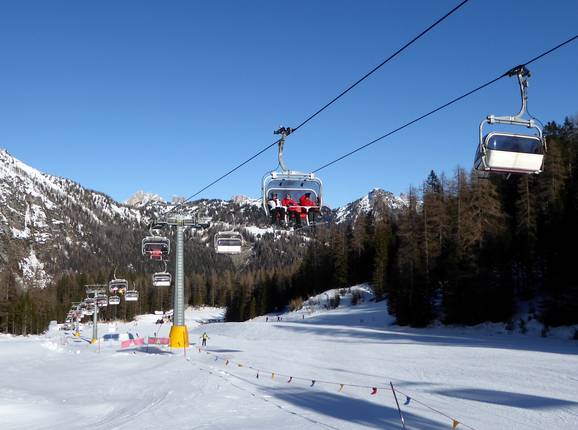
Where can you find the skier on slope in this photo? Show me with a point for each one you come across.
(204, 337)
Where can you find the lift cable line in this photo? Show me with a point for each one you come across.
(510, 72)
(376, 68)
(310, 117)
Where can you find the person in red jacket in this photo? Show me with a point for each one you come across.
(309, 207)
(292, 209)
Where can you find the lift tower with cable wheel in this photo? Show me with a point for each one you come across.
(96, 290)
(179, 335)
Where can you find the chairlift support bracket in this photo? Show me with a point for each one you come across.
(523, 74)
(284, 132)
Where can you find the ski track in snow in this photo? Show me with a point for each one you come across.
(483, 377)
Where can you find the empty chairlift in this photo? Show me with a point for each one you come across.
(162, 279)
(114, 300)
(228, 242)
(508, 152)
(131, 295)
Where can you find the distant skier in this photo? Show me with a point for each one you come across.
(205, 337)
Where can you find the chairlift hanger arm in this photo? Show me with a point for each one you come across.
(523, 73)
(284, 132)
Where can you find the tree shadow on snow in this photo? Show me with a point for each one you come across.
(507, 398)
(396, 336)
(365, 316)
(353, 410)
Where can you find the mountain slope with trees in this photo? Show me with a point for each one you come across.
(462, 249)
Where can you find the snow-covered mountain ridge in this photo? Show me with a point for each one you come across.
(377, 201)
(51, 224)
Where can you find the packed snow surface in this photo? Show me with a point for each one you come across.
(483, 377)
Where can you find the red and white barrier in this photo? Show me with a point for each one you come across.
(139, 341)
(158, 341)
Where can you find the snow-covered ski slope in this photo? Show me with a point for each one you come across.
(483, 378)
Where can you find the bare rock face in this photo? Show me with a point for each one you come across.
(142, 198)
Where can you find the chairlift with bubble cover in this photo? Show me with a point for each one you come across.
(113, 300)
(117, 285)
(155, 246)
(505, 152)
(101, 300)
(228, 242)
(131, 295)
(295, 183)
(162, 279)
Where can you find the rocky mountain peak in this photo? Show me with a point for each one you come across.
(142, 198)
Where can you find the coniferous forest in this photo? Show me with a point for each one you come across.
(465, 249)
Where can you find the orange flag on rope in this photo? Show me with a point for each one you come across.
(455, 424)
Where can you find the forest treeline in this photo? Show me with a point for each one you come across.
(465, 249)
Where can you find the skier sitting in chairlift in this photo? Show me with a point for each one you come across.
(292, 209)
(309, 207)
(276, 209)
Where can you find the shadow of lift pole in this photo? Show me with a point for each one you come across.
(179, 335)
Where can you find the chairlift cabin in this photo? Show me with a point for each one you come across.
(114, 300)
(131, 296)
(508, 152)
(228, 242)
(102, 300)
(162, 279)
(156, 247)
(290, 182)
(117, 285)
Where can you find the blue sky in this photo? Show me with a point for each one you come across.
(166, 96)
